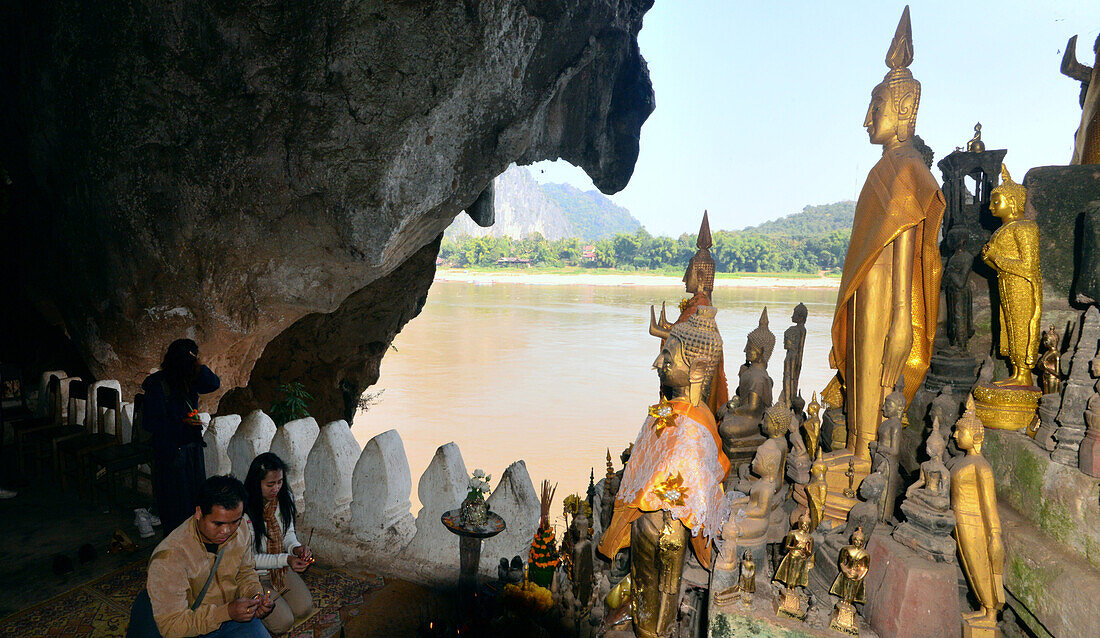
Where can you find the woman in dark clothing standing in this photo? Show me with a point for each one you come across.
(171, 416)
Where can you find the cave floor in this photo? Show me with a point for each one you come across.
(43, 522)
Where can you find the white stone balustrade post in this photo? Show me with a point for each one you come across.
(252, 438)
(515, 500)
(91, 414)
(441, 488)
(126, 422)
(328, 475)
(292, 444)
(217, 438)
(381, 486)
(42, 407)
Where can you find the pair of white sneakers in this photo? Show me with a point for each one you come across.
(145, 522)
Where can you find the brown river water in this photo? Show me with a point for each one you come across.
(555, 374)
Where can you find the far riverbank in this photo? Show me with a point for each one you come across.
(606, 277)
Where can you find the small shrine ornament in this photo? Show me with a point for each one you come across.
(663, 416)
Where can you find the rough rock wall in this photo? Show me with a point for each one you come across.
(221, 170)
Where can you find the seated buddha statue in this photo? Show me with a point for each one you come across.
(671, 495)
(740, 428)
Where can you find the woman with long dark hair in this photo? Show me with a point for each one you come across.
(170, 414)
(270, 509)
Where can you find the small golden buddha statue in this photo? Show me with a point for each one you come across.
(699, 281)
(812, 427)
(1050, 363)
(746, 580)
(816, 492)
(794, 570)
(977, 524)
(671, 496)
(853, 564)
(1013, 251)
(888, 304)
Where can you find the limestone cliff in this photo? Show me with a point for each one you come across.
(228, 171)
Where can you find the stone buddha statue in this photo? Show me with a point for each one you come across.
(1086, 148)
(699, 281)
(750, 516)
(740, 428)
(888, 303)
(977, 524)
(1013, 251)
(671, 496)
(794, 342)
(927, 505)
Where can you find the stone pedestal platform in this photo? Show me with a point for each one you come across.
(909, 596)
(1048, 411)
(956, 369)
(1088, 459)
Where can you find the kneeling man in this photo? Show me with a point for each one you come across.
(202, 579)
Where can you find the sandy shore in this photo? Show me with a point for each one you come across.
(634, 279)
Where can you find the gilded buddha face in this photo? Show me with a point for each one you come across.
(691, 278)
(671, 364)
(885, 125)
(1002, 206)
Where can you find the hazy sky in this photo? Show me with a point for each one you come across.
(760, 105)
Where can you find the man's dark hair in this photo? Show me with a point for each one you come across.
(225, 491)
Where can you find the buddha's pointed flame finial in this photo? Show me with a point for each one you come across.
(704, 241)
(900, 55)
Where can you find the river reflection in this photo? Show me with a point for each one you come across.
(555, 374)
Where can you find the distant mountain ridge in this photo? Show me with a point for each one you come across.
(557, 211)
(813, 220)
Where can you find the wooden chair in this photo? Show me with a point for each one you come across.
(73, 453)
(73, 425)
(31, 433)
(117, 459)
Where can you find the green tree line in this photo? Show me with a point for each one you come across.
(733, 251)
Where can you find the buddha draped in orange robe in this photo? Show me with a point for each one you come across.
(689, 448)
(719, 389)
(900, 193)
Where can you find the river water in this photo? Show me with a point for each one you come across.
(555, 374)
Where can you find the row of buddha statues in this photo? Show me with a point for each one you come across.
(746, 483)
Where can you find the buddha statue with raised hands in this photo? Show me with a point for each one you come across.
(670, 496)
(1013, 251)
(888, 303)
(699, 281)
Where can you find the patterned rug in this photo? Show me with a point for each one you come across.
(101, 608)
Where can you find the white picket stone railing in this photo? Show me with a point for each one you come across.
(217, 438)
(252, 438)
(292, 444)
(381, 486)
(328, 475)
(92, 413)
(517, 503)
(441, 488)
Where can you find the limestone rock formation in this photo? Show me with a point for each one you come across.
(226, 171)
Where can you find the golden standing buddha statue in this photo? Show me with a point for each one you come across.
(699, 281)
(671, 495)
(793, 571)
(853, 564)
(977, 525)
(1013, 251)
(888, 303)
